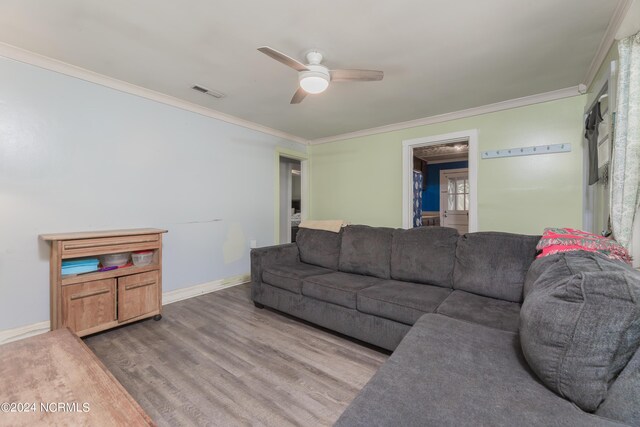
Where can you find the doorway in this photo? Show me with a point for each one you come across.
(440, 181)
(291, 196)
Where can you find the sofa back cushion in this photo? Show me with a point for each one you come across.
(366, 250)
(580, 325)
(494, 264)
(319, 247)
(424, 255)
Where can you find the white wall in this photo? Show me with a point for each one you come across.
(78, 156)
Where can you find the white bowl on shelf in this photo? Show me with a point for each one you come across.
(115, 260)
(141, 258)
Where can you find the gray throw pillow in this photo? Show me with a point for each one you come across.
(580, 325)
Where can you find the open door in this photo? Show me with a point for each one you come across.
(454, 199)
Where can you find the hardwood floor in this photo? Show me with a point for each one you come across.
(217, 360)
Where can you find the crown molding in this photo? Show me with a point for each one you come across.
(470, 112)
(32, 58)
(607, 41)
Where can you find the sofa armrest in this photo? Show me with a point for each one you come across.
(279, 254)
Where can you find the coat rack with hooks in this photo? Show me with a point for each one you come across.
(526, 151)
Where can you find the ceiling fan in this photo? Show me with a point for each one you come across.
(315, 77)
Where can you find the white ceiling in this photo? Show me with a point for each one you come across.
(437, 56)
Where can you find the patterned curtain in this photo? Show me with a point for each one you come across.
(625, 174)
(417, 199)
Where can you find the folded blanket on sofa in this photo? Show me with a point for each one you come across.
(556, 240)
(333, 225)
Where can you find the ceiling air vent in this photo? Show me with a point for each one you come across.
(209, 92)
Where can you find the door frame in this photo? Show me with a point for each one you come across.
(471, 137)
(304, 187)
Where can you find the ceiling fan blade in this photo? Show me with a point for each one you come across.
(298, 96)
(356, 75)
(281, 57)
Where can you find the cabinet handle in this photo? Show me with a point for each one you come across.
(90, 294)
(139, 285)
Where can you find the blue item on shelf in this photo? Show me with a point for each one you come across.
(78, 266)
(78, 270)
(80, 261)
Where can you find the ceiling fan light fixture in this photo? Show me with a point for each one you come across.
(314, 84)
(316, 80)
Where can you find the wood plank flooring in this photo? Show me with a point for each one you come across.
(216, 360)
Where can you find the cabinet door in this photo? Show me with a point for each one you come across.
(137, 295)
(89, 305)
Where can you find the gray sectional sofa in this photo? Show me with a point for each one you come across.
(481, 333)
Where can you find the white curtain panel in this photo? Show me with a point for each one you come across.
(625, 174)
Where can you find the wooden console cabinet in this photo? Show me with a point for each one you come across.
(92, 302)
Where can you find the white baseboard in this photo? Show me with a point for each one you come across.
(15, 334)
(204, 288)
(21, 332)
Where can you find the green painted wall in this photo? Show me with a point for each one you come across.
(360, 179)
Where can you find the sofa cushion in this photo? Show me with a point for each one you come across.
(546, 271)
(337, 288)
(580, 330)
(403, 302)
(485, 311)
(538, 268)
(623, 399)
(289, 276)
(319, 247)
(366, 250)
(447, 372)
(424, 255)
(493, 264)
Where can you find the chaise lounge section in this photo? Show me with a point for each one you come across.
(448, 372)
